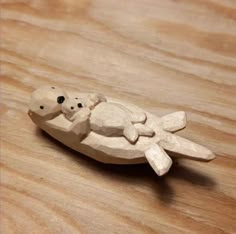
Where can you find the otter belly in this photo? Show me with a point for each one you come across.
(109, 119)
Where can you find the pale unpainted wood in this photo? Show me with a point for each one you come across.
(107, 131)
(164, 56)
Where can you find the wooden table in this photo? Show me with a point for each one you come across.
(161, 55)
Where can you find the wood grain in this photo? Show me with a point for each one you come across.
(161, 55)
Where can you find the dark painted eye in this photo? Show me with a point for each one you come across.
(60, 99)
(72, 108)
(53, 87)
(41, 107)
(76, 98)
(80, 105)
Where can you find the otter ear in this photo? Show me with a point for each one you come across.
(94, 99)
(33, 106)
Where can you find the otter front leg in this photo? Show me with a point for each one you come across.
(81, 124)
(131, 133)
(144, 130)
(138, 117)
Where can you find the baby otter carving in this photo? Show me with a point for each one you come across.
(98, 112)
(75, 107)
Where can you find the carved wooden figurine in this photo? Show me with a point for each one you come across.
(112, 131)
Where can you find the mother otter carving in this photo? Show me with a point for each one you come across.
(112, 131)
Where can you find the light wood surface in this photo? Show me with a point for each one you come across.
(164, 56)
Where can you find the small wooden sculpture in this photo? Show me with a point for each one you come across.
(112, 131)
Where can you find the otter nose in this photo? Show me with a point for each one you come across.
(60, 99)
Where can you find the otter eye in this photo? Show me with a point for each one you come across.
(60, 99)
(80, 105)
(41, 107)
(72, 108)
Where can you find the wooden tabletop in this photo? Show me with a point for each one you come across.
(161, 55)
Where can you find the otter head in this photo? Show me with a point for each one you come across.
(72, 106)
(46, 102)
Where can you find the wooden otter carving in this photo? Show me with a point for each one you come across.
(112, 131)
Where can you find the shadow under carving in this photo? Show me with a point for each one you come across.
(138, 174)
